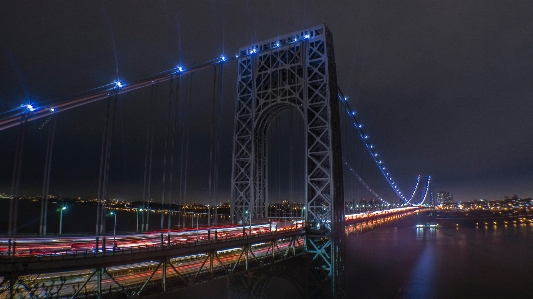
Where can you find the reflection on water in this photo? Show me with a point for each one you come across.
(425, 233)
(457, 260)
(422, 276)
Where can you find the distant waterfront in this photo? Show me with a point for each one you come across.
(81, 219)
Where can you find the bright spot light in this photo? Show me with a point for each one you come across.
(366, 136)
(360, 126)
(179, 68)
(306, 36)
(52, 109)
(118, 84)
(223, 58)
(30, 107)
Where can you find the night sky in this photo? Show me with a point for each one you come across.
(443, 88)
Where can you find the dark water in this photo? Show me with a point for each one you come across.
(401, 261)
(394, 261)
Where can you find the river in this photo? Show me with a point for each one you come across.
(457, 260)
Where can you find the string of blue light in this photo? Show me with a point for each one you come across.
(364, 137)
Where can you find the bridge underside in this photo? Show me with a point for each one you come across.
(293, 71)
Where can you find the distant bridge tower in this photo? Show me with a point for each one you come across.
(296, 70)
(425, 192)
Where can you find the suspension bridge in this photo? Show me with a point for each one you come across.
(294, 136)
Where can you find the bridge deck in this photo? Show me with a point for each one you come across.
(84, 260)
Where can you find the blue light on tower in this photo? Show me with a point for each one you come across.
(179, 69)
(223, 58)
(30, 107)
(118, 84)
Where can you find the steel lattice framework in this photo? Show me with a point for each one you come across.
(293, 71)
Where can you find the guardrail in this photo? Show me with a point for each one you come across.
(74, 254)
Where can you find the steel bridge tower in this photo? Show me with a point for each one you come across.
(297, 71)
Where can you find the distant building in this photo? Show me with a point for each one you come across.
(444, 197)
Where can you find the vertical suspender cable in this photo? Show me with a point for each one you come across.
(210, 185)
(213, 167)
(101, 173)
(188, 99)
(182, 145)
(46, 177)
(147, 154)
(291, 168)
(165, 154)
(149, 157)
(15, 183)
(174, 125)
(217, 137)
(108, 155)
(278, 142)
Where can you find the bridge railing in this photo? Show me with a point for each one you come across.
(92, 253)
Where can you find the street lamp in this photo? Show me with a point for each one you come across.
(61, 218)
(138, 210)
(197, 216)
(250, 219)
(114, 230)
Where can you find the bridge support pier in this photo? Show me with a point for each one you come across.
(99, 283)
(164, 279)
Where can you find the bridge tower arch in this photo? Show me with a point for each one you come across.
(294, 70)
